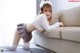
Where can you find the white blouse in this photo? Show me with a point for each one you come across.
(41, 23)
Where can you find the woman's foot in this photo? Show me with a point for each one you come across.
(11, 48)
(26, 46)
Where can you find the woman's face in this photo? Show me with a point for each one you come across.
(47, 12)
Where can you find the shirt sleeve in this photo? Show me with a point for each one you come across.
(45, 23)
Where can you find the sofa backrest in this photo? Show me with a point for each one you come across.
(54, 18)
(70, 17)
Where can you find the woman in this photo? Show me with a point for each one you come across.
(41, 23)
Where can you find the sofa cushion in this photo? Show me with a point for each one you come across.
(54, 33)
(71, 33)
(70, 17)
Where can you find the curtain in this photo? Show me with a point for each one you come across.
(13, 12)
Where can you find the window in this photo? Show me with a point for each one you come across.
(13, 12)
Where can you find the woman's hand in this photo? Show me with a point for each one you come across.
(61, 24)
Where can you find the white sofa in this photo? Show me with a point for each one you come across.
(63, 39)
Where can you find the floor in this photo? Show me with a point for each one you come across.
(33, 49)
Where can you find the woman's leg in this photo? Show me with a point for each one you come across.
(24, 34)
(27, 41)
(26, 45)
(15, 41)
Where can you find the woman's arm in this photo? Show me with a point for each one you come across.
(45, 23)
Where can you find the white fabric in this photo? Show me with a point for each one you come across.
(26, 45)
(41, 23)
(44, 2)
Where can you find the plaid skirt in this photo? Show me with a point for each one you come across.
(23, 32)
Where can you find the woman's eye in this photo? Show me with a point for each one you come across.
(45, 10)
(49, 10)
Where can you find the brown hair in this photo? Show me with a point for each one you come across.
(47, 6)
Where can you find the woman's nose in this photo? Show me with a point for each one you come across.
(48, 13)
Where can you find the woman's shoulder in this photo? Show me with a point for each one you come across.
(41, 16)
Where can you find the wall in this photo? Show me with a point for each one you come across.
(63, 5)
